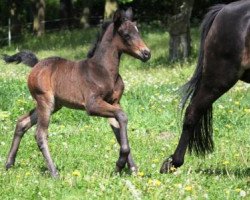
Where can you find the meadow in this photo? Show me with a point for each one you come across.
(84, 148)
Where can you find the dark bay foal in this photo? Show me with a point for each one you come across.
(224, 59)
(93, 84)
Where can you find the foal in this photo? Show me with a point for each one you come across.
(93, 84)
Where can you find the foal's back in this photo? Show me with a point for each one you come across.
(67, 82)
(58, 78)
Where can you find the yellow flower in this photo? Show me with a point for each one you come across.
(113, 141)
(236, 155)
(76, 173)
(172, 169)
(237, 189)
(155, 160)
(228, 126)
(188, 188)
(157, 183)
(141, 174)
(27, 173)
(247, 110)
(237, 103)
(225, 162)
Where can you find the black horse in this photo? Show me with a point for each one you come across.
(224, 59)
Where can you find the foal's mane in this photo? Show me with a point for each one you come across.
(99, 37)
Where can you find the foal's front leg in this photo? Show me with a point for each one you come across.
(99, 107)
(116, 129)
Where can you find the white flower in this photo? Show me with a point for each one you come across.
(243, 193)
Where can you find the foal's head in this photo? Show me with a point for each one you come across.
(128, 37)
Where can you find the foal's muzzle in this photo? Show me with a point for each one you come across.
(145, 55)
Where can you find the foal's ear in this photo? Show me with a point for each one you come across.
(129, 14)
(118, 18)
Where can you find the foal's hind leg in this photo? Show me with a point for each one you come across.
(209, 91)
(23, 124)
(116, 129)
(45, 107)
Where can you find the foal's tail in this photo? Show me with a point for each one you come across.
(26, 57)
(201, 140)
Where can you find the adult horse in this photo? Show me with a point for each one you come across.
(224, 59)
(93, 84)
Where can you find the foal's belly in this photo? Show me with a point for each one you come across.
(70, 99)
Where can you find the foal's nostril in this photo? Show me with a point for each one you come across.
(146, 54)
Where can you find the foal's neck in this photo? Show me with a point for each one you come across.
(107, 54)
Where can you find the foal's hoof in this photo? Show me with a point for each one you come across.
(54, 175)
(8, 165)
(134, 169)
(167, 166)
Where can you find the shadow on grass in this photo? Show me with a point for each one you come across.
(237, 172)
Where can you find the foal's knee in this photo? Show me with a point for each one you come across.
(91, 108)
(122, 117)
(20, 127)
(39, 141)
(125, 150)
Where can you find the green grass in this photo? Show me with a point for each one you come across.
(84, 148)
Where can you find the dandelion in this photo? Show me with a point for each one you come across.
(247, 110)
(76, 173)
(172, 169)
(237, 103)
(112, 141)
(188, 188)
(141, 174)
(228, 126)
(155, 160)
(157, 182)
(225, 162)
(27, 174)
(236, 155)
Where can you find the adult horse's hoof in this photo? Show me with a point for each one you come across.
(118, 169)
(167, 166)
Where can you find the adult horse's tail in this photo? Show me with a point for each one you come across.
(201, 140)
(26, 57)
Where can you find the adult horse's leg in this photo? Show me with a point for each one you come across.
(45, 107)
(210, 89)
(116, 129)
(98, 107)
(23, 124)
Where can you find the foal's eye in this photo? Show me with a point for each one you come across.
(126, 36)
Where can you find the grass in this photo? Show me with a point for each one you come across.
(84, 148)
